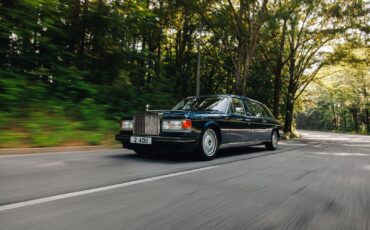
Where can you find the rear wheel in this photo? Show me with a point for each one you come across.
(209, 144)
(273, 143)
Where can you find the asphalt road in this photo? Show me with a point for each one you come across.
(319, 182)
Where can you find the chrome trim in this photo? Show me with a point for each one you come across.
(147, 123)
(160, 139)
(240, 144)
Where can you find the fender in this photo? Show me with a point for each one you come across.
(209, 123)
(218, 129)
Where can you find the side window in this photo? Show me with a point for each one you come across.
(263, 111)
(254, 109)
(237, 106)
(246, 106)
(267, 112)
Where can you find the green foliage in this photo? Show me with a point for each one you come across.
(43, 129)
(70, 69)
(10, 138)
(340, 101)
(94, 138)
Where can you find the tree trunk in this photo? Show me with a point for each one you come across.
(277, 92)
(84, 26)
(367, 120)
(98, 30)
(157, 65)
(345, 121)
(335, 120)
(290, 99)
(238, 70)
(246, 71)
(75, 21)
(289, 116)
(183, 39)
(354, 112)
(248, 21)
(4, 48)
(278, 73)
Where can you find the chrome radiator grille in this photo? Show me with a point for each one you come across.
(146, 123)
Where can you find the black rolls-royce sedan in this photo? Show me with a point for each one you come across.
(202, 125)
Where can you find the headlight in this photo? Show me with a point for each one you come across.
(126, 125)
(176, 125)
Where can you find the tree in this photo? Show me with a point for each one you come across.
(312, 25)
(340, 93)
(244, 20)
(273, 49)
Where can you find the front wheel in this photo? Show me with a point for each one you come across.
(209, 144)
(273, 143)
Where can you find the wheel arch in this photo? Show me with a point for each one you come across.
(216, 127)
(276, 129)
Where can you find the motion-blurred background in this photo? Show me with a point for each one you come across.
(69, 69)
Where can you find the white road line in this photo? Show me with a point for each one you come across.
(100, 189)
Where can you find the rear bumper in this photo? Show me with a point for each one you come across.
(161, 143)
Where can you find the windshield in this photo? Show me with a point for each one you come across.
(203, 103)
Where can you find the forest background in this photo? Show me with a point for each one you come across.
(69, 69)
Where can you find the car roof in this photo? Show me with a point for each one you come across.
(224, 95)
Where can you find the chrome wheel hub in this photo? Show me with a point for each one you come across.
(209, 142)
(274, 140)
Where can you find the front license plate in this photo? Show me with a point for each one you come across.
(141, 140)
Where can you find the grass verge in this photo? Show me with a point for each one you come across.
(51, 130)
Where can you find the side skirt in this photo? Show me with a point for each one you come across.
(241, 144)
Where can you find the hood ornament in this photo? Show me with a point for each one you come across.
(147, 107)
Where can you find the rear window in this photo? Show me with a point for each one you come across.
(267, 112)
(254, 109)
(258, 110)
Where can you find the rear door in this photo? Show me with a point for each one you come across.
(258, 128)
(268, 121)
(238, 116)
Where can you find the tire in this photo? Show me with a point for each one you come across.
(273, 143)
(209, 144)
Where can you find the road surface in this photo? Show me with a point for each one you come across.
(319, 182)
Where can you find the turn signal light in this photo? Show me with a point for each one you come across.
(186, 124)
(176, 125)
